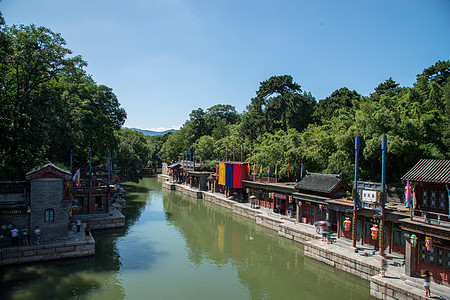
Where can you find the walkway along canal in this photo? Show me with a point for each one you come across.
(174, 246)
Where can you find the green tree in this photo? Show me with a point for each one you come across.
(342, 99)
(132, 152)
(279, 104)
(48, 104)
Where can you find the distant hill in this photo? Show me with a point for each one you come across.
(152, 133)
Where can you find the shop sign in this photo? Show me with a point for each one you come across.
(369, 196)
(280, 196)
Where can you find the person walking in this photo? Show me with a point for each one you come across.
(78, 225)
(87, 232)
(24, 236)
(14, 236)
(37, 235)
(426, 284)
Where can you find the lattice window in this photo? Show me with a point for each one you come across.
(423, 253)
(442, 200)
(440, 257)
(447, 259)
(396, 237)
(402, 238)
(433, 198)
(322, 214)
(432, 255)
(368, 226)
(49, 215)
(424, 198)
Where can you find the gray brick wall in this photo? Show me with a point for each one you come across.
(48, 194)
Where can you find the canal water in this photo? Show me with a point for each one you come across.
(177, 247)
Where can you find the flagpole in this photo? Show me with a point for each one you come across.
(71, 158)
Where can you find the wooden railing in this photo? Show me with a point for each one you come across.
(253, 177)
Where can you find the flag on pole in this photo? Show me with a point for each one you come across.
(268, 170)
(408, 195)
(301, 172)
(254, 171)
(248, 168)
(276, 170)
(260, 170)
(288, 170)
(76, 177)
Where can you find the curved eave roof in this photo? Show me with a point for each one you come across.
(430, 170)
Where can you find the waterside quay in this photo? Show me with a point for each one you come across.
(339, 254)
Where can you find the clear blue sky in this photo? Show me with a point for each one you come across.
(164, 58)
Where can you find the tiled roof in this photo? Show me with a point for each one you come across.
(430, 170)
(319, 182)
(48, 168)
(174, 165)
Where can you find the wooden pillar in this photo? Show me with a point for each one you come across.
(410, 255)
(338, 224)
(286, 206)
(315, 212)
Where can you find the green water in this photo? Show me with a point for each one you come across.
(177, 247)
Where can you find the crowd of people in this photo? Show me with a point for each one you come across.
(21, 237)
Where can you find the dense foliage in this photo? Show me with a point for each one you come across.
(285, 127)
(49, 105)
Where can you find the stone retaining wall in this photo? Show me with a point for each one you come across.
(400, 291)
(295, 234)
(36, 253)
(219, 201)
(246, 212)
(341, 262)
(105, 223)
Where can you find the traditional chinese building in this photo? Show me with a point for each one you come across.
(313, 191)
(428, 227)
(92, 194)
(395, 210)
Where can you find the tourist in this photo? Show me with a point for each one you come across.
(324, 230)
(14, 236)
(252, 201)
(87, 232)
(328, 234)
(78, 225)
(426, 284)
(24, 236)
(317, 224)
(37, 235)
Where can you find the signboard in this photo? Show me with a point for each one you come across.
(369, 196)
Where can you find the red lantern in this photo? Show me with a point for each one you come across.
(347, 224)
(428, 243)
(320, 207)
(300, 203)
(273, 196)
(290, 199)
(374, 230)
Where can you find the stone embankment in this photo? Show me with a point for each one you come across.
(339, 254)
(114, 219)
(75, 245)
